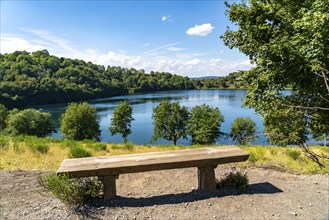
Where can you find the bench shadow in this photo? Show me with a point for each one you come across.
(90, 208)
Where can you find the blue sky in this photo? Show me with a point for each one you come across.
(181, 37)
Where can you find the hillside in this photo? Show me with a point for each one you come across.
(41, 78)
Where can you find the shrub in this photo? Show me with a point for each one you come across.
(4, 143)
(243, 130)
(253, 157)
(17, 148)
(116, 147)
(80, 121)
(97, 146)
(39, 148)
(78, 152)
(236, 180)
(72, 191)
(3, 116)
(129, 146)
(29, 122)
(294, 154)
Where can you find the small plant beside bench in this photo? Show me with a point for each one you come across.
(110, 167)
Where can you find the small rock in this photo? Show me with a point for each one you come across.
(300, 207)
(25, 213)
(192, 188)
(293, 213)
(311, 204)
(316, 183)
(209, 204)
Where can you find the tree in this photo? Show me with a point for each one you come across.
(3, 116)
(243, 130)
(204, 124)
(170, 121)
(80, 121)
(29, 122)
(288, 43)
(121, 120)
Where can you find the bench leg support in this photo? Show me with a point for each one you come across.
(109, 187)
(206, 179)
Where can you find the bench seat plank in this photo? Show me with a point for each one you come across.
(132, 163)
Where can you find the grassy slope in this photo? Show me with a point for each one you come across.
(20, 153)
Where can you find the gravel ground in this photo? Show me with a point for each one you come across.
(172, 194)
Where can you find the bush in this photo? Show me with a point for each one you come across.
(80, 121)
(4, 143)
(294, 154)
(17, 148)
(129, 146)
(253, 157)
(97, 146)
(116, 147)
(72, 191)
(78, 152)
(3, 117)
(29, 122)
(39, 148)
(236, 180)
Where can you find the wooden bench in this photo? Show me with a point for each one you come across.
(110, 167)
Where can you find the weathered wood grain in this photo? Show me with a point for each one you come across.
(132, 163)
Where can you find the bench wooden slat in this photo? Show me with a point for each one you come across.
(132, 163)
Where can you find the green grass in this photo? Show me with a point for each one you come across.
(72, 190)
(79, 152)
(32, 153)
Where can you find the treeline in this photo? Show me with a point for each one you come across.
(171, 122)
(41, 78)
(232, 80)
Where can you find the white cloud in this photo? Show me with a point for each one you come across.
(10, 44)
(186, 64)
(48, 36)
(167, 18)
(200, 30)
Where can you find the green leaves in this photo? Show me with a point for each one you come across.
(170, 121)
(29, 122)
(121, 120)
(80, 121)
(288, 42)
(204, 124)
(243, 130)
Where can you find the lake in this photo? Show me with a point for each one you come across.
(229, 103)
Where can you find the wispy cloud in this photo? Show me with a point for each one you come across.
(200, 30)
(166, 18)
(161, 47)
(175, 49)
(48, 36)
(146, 44)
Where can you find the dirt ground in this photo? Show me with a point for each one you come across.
(172, 194)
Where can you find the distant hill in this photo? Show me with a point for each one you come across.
(203, 77)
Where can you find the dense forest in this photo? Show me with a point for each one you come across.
(41, 78)
(232, 80)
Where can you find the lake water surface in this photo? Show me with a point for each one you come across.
(229, 103)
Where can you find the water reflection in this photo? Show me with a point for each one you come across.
(228, 101)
